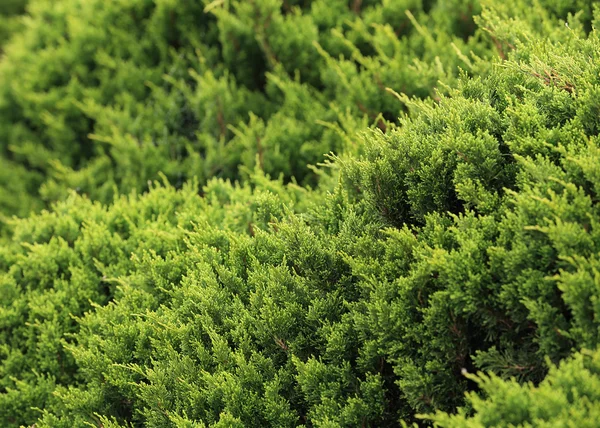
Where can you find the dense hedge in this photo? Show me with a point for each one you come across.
(568, 396)
(99, 98)
(10, 14)
(437, 269)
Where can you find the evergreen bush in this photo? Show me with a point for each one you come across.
(568, 396)
(100, 98)
(441, 268)
(10, 11)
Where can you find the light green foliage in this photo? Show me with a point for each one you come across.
(461, 238)
(68, 261)
(498, 184)
(101, 99)
(10, 11)
(568, 396)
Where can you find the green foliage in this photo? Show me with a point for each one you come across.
(101, 99)
(493, 192)
(66, 262)
(9, 18)
(463, 237)
(567, 397)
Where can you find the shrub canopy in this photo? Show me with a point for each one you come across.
(100, 97)
(202, 263)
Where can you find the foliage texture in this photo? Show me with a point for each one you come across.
(300, 213)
